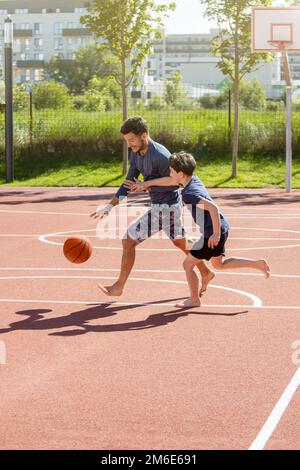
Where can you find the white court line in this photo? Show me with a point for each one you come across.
(257, 302)
(276, 414)
(98, 237)
(159, 271)
(43, 238)
(287, 217)
(146, 304)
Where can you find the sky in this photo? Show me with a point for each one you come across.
(187, 18)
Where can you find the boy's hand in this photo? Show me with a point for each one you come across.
(213, 240)
(135, 186)
(102, 212)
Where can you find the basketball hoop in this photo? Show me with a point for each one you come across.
(278, 30)
(280, 45)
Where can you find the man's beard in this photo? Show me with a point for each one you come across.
(143, 146)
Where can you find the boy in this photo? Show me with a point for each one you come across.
(215, 227)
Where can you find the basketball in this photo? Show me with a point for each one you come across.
(77, 249)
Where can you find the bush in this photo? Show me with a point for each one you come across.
(156, 103)
(20, 98)
(252, 95)
(90, 102)
(275, 106)
(51, 95)
(208, 101)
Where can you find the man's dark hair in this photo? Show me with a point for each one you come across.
(137, 125)
(184, 162)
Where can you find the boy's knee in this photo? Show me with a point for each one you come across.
(186, 264)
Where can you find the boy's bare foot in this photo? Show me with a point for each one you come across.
(205, 281)
(189, 303)
(112, 291)
(263, 266)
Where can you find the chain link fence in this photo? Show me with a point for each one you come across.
(198, 119)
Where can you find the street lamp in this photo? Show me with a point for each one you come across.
(8, 71)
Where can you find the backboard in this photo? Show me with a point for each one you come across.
(275, 29)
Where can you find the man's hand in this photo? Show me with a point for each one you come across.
(135, 186)
(213, 240)
(102, 212)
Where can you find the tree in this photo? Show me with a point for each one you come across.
(89, 61)
(233, 46)
(128, 29)
(20, 97)
(51, 95)
(253, 95)
(102, 94)
(175, 95)
(108, 88)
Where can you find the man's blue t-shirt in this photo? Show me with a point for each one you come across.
(154, 164)
(194, 192)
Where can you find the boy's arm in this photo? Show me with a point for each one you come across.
(103, 211)
(213, 210)
(138, 186)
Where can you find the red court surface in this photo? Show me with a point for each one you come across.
(78, 372)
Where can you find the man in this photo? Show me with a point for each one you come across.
(150, 159)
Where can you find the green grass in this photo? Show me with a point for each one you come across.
(253, 172)
(75, 148)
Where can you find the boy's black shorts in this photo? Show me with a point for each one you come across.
(207, 253)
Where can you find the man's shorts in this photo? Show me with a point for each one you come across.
(200, 249)
(159, 217)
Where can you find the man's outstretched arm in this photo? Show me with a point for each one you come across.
(132, 175)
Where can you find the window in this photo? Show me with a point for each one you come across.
(24, 56)
(21, 11)
(27, 75)
(38, 28)
(21, 26)
(73, 42)
(38, 43)
(74, 25)
(38, 75)
(58, 44)
(58, 27)
(26, 44)
(3, 12)
(71, 56)
(38, 56)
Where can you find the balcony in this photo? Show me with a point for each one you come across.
(76, 32)
(30, 64)
(23, 33)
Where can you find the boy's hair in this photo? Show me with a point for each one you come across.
(184, 162)
(137, 125)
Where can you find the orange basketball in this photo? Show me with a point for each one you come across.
(77, 249)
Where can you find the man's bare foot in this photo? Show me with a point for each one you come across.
(205, 281)
(111, 291)
(263, 266)
(189, 303)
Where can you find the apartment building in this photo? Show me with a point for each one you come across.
(190, 55)
(42, 29)
(51, 28)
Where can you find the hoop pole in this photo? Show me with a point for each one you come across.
(289, 121)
